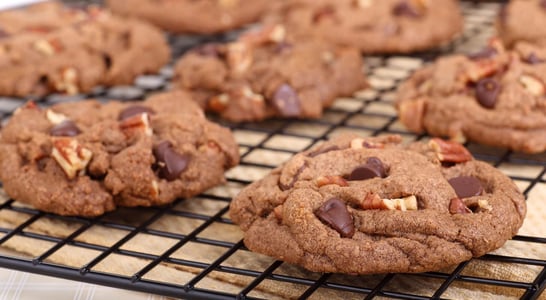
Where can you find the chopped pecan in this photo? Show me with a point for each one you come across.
(326, 180)
(68, 82)
(48, 47)
(136, 124)
(532, 84)
(55, 118)
(457, 206)
(373, 201)
(411, 114)
(218, 103)
(479, 69)
(154, 190)
(239, 57)
(71, 156)
(277, 211)
(449, 151)
(267, 34)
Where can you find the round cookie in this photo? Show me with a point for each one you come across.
(87, 158)
(373, 26)
(373, 205)
(522, 20)
(494, 97)
(264, 74)
(192, 16)
(50, 48)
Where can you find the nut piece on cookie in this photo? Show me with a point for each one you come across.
(436, 215)
(449, 151)
(373, 201)
(71, 156)
(137, 124)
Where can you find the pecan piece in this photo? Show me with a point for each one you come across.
(532, 84)
(479, 69)
(457, 206)
(373, 201)
(72, 157)
(68, 82)
(55, 118)
(136, 124)
(449, 151)
(239, 57)
(326, 180)
(411, 114)
(267, 34)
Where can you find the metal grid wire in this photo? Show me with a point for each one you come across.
(263, 146)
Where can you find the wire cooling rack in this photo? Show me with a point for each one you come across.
(190, 249)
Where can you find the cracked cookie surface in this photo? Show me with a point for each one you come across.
(191, 16)
(373, 26)
(86, 158)
(373, 205)
(49, 48)
(494, 97)
(264, 74)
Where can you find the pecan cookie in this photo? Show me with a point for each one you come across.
(191, 16)
(522, 20)
(264, 74)
(374, 26)
(493, 97)
(49, 48)
(372, 205)
(86, 158)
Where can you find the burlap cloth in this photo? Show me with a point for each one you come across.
(116, 263)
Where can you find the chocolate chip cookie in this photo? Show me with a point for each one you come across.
(191, 16)
(494, 97)
(373, 205)
(87, 158)
(522, 20)
(373, 26)
(49, 48)
(264, 74)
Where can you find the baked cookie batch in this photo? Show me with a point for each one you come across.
(353, 204)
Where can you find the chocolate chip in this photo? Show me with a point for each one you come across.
(322, 151)
(487, 90)
(170, 164)
(466, 186)
(543, 4)
(134, 110)
(457, 206)
(283, 46)
(487, 52)
(532, 59)
(286, 101)
(334, 213)
(372, 168)
(404, 8)
(65, 128)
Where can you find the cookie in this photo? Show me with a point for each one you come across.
(373, 26)
(373, 205)
(522, 20)
(190, 16)
(264, 74)
(87, 158)
(49, 48)
(494, 97)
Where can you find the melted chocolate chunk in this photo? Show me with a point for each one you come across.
(65, 128)
(134, 110)
(543, 4)
(286, 101)
(372, 168)
(466, 186)
(405, 8)
(487, 90)
(334, 213)
(170, 164)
